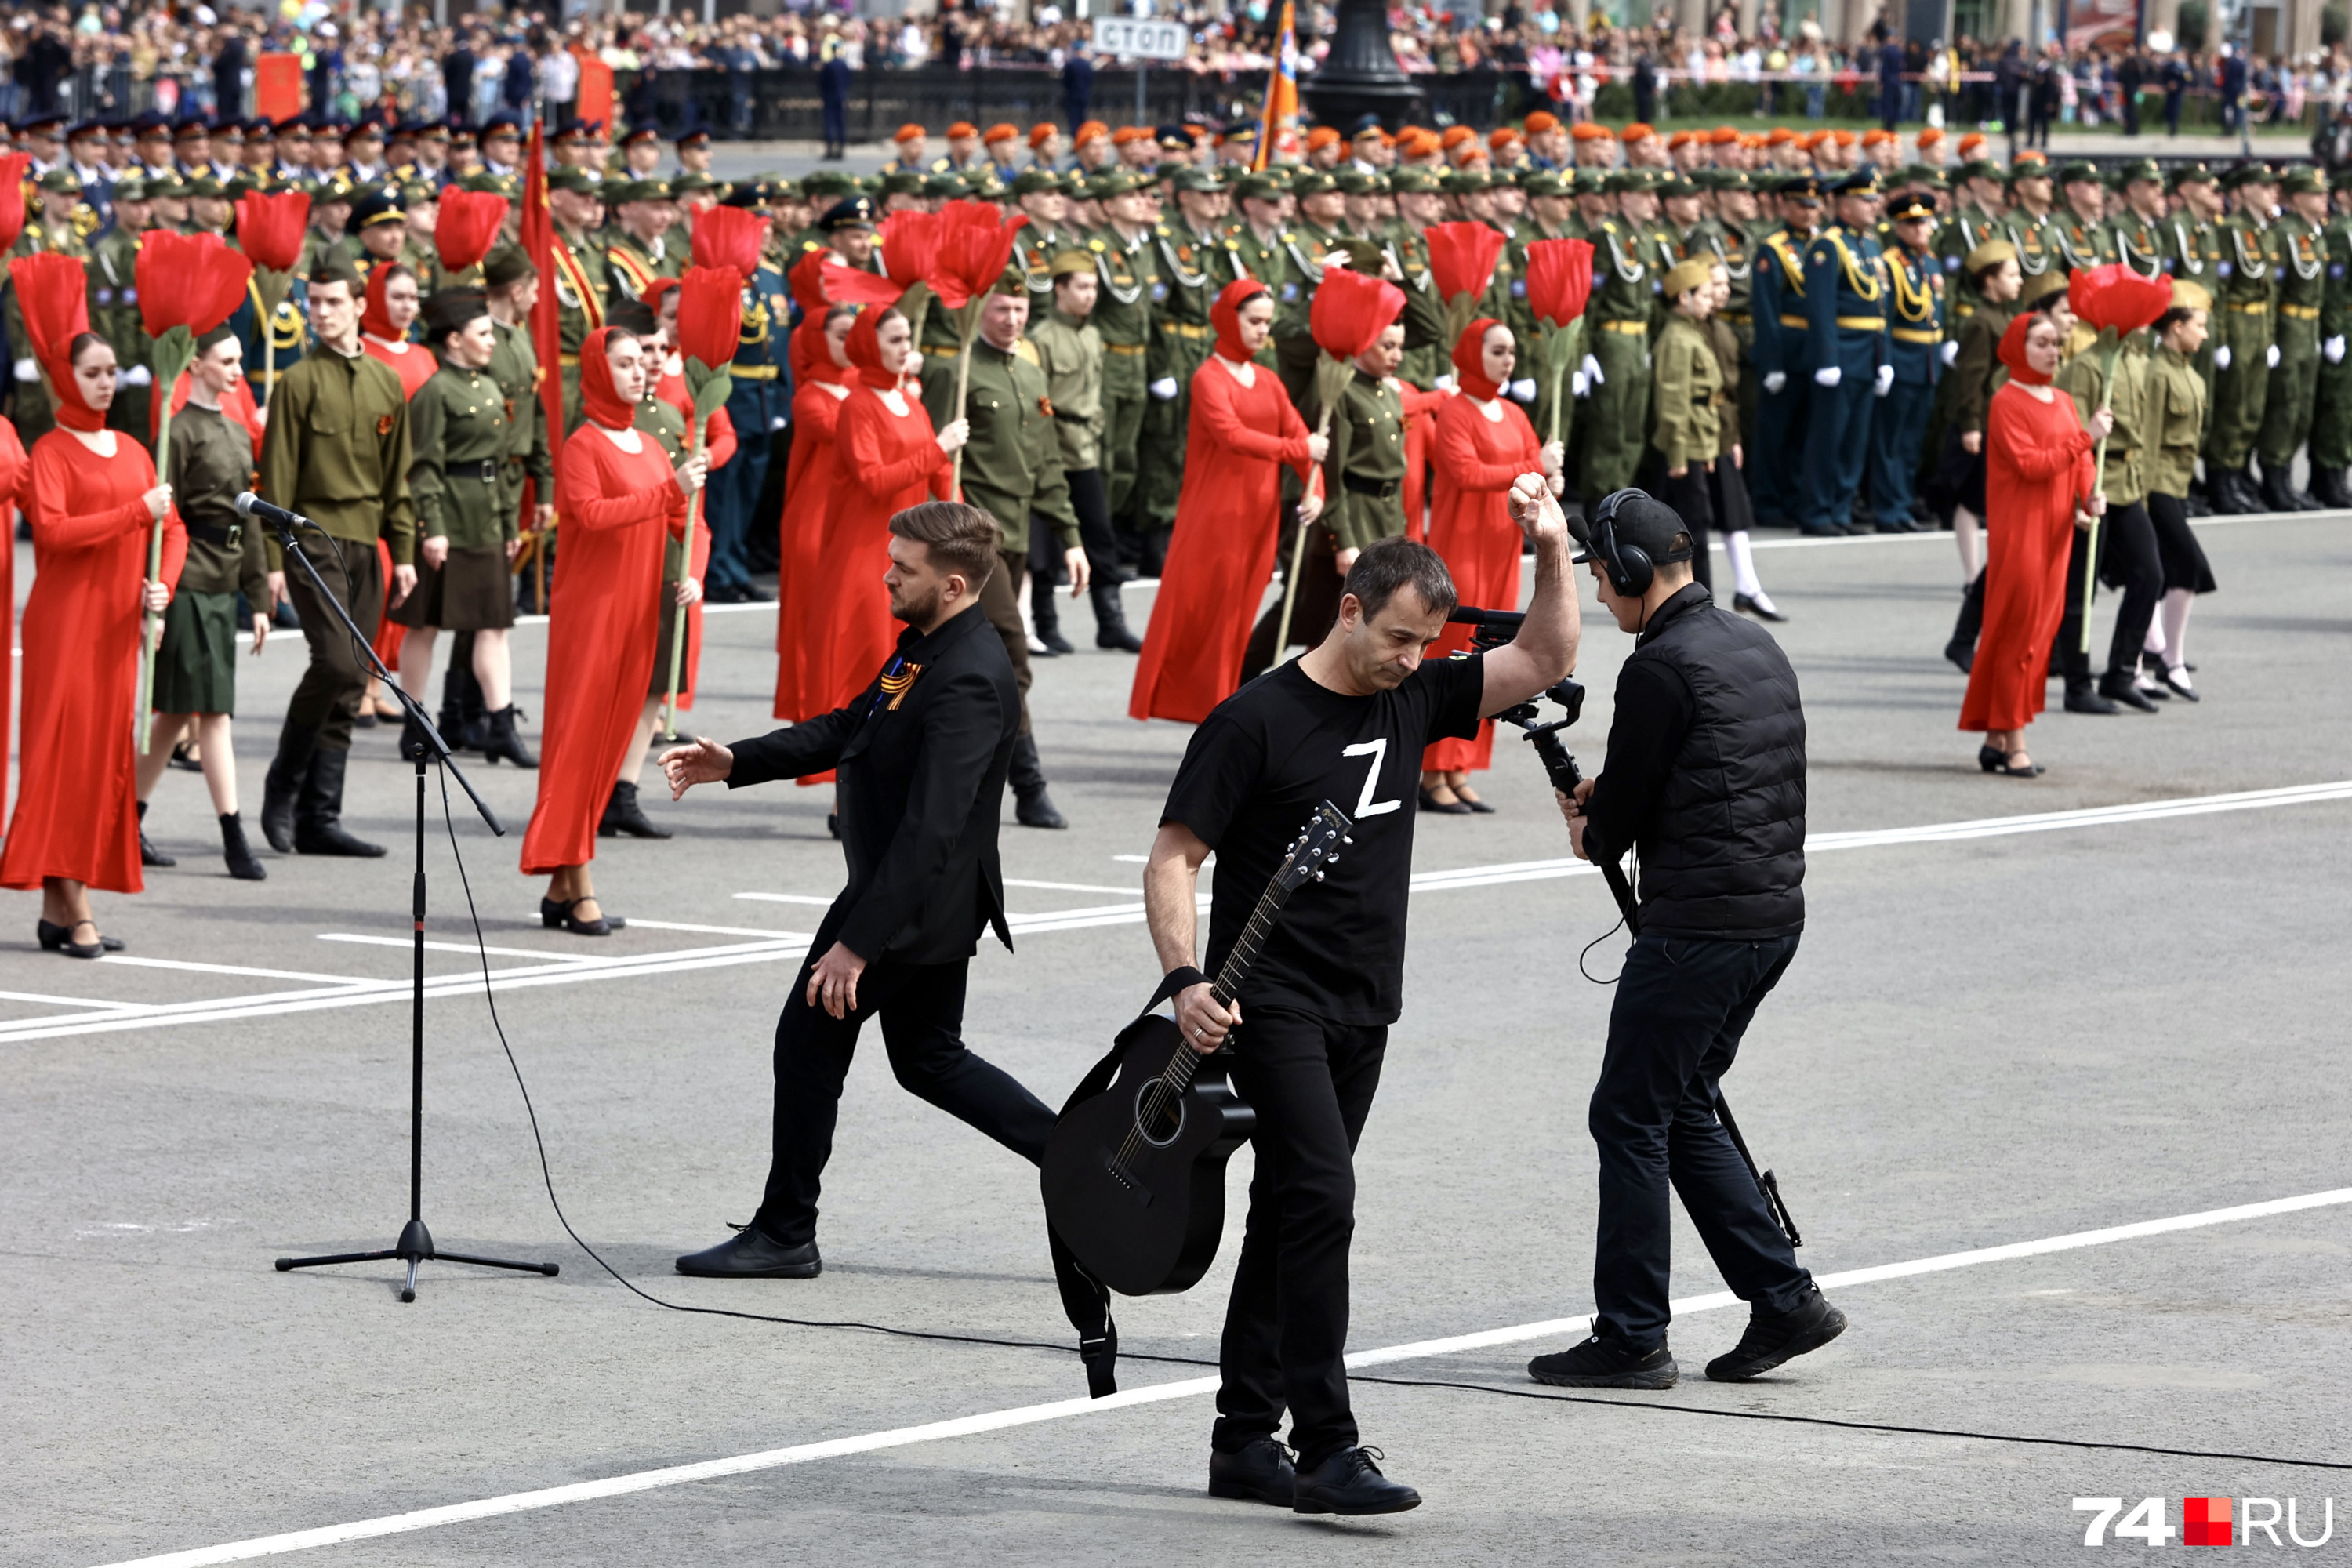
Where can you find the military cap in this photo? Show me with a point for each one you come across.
(938, 187)
(82, 129)
(686, 185)
(2190, 295)
(2138, 168)
(1991, 253)
(2040, 286)
(377, 204)
(131, 188)
(260, 128)
(2188, 173)
(694, 137)
(1910, 209)
(1677, 188)
(502, 123)
(2249, 174)
(168, 186)
(850, 212)
(1542, 183)
(2303, 180)
(983, 184)
(2078, 171)
(506, 265)
(1860, 183)
(1067, 262)
(1686, 276)
(202, 184)
(188, 126)
(1360, 182)
(60, 181)
(566, 130)
(1981, 169)
(1259, 188)
(1117, 182)
(1191, 179)
(748, 193)
(900, 183)
(1801, 187)
(1173, 136)
(1620, 181)
(415, 193)
(578, 181)
(362, 127)
(294, 127)
(146, 123)
(452, 310)
(1037, 183)
(648, 191)
(2028, 169)
(1735, 180)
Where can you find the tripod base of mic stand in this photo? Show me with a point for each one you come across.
(416, 1247)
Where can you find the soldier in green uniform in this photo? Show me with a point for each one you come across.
(2080, 236)
(2192, 254)
(1261, 243)
(1070, 352)
(1196, 261)
(1127, 276)
(114, 306)
(2243, 319)
(2300, 280)
(1726, 235)
(2139, 229)
(1615, 425)
(1406, 240)
(2031, 213)
(1012, 467)
(641, 246)
(378, 230)
(1312, 241)
(195, 665)
(52, 233)
(576, 271)
(461, 431)
(2331, 420)
(336, 451)
(1045, 200)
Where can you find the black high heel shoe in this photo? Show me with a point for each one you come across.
(1478, 806)
(555, 913)
(1429, 802)
(55, 938)
(1743, 603)
(1997, 761)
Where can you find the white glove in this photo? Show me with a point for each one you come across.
(777, 422)
(1592, 371)
(2334, 349)
(137, 375)
(2222, 357)
(1951, 353)
(1164, 388)
(1445, 384)
(1886, 380)
(2273, 357)
(1828, 375)
(1524, 389)
(27, 369)
(1774, 380)
(1578, 386)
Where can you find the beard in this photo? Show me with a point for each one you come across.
(914, 605)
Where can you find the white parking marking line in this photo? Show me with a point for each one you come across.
(786, 899)
(559, 970)
(1066, 887)
(47, 1001)
(466, 947)
(1155, 1393)
(638, 924)
(236, 969)
(1133, 859)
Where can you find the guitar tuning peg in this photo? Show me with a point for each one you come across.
(1345, 839)
(1333, 860)
(1318, 875)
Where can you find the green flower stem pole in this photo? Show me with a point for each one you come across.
(1560, 350)
(174, 349)
(710, 389)
(270, 290)
(1331, 377)
(967, 320)
(2108, 347)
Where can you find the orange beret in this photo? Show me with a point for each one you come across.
(1127, 133)
(1973, 139)
(2029, 156)
(1321, 136)
(1930, 134)
(1586, 131)
(1635, 132)
(1091, 130)
(1477, 155)
(1753, 141)
(1724, 136)
(1843, 138)
(1454, 136)
(1779, 136)
(1538, 122)
(1420, 144)
(1411, 132)
(1501, 136)
(962, 128)
(1679, 139)
(1000, 132)
(1041, 133)
(1871, 138)
(908, 132)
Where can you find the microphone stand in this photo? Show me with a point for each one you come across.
(416, 1243)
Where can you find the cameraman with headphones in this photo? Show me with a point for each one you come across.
(1706, 781)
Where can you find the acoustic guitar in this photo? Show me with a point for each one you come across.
(1134, 1174)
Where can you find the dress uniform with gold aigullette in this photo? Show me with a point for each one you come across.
(760, 404)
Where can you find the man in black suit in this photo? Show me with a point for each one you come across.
(921, 756)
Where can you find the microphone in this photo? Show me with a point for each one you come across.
(251, 505)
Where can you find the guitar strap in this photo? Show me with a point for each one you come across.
(1084, 1298)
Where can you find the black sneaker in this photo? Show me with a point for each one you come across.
(1607, 1362)
(1772, 1339)
(1348, 1482)
(1262, 1473)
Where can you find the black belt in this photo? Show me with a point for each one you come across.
(213, 533)
(1381, 490)
(487, 470)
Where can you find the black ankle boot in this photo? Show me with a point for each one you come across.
(1962, 649)
(1110, 620)
(464, 722)
(622, 815)
(1031, 806)
(148, 854)
(319, 814)
(238, 852)
(283, 787)
(504, 742)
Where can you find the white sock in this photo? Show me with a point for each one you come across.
(1965, 534)
(1743, 568)
(2174, 612)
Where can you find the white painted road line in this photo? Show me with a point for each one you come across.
(237, 969)
(562, 970)
(1067, 886)
(787, 899)
(638, 924)
(44, 1000)
(468, 948)
(1155, 1393)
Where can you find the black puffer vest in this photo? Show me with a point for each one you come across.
(1725, 855)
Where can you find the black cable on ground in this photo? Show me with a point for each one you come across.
(548, 1178)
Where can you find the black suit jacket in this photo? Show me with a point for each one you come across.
(921, 780)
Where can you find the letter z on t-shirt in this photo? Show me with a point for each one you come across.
(1257, 768)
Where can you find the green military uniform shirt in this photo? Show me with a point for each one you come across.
(514, 365)
(336, 450)
(2124, 479)
(211, 461)
(2036, 253)
(2079, 246)
(2139, 243)
(1687, 393)
(459, 440)
(1012, 464)
(2173, 412)
(1070, 353)
(1970, 227)
(1364, 471)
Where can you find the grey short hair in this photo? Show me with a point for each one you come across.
(1383, 568)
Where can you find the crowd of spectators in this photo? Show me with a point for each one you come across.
(101, 59)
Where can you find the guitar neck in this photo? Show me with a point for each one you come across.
(1239, 962)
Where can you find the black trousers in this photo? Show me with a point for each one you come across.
(1682, 1005)
(2128, 561)
(327, 698)
(1317, 607)
(1311, 1082)
(1091, 501)
(921, 1009)
(1693, 500)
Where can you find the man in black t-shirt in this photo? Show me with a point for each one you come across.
(1345, 722)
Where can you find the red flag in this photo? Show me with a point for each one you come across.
(975, 247)
(910, 246)
(14, 166)
(540, 244)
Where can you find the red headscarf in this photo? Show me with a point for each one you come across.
(376, 319)
(598, 397)
(1470, 360)
(2012, 349)
(1225, 315)
(812, 355)
(866, 351)
(56, 310)
(654, 292)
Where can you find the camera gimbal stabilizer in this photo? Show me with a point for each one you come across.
(1493, 629)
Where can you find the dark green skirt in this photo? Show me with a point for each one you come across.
(196, 667)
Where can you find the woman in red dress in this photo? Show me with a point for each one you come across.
(886, 458)
(93, 500)
(2038, 479)
(15, 469)
(391, 308)
(1221, 552)
(1484, 444)
(621, 504)
(821, 389)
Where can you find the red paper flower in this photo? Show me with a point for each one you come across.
(820, 279)
(1351, 311)
(53, 294)
(1462, 258)
(728, 237)
(710, 314)
(269, 229)
(910, 246)
(13, 169)
(2116, 296)
(192, 280)
(975, 244)
(467, 226)
(1560, 279)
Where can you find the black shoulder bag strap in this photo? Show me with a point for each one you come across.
(1084, 1298)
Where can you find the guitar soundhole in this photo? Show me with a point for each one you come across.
(1159, 1113)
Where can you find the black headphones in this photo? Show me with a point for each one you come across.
(1629, 567)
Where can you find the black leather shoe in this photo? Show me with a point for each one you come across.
(2118, 687)
(238, 852)
(1035, 808)
(1749, 607)
(1261, 1473)
(53, 940)
(1784, 1336)
(1963, 653)
(624, 814)
(749, 1254)
(1348, 1482)
(556, 913)
(2087, 699)
(1054, 640)
(1994, 760)
(148, 854)
(1607, 1362)
(1456, 807)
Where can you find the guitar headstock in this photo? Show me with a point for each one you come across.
(1315, 848)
